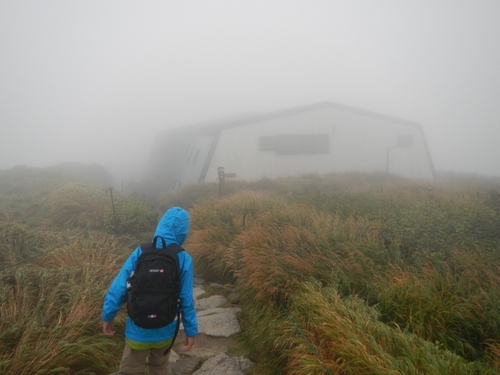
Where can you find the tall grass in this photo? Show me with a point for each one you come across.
(318, 332)
(56, 264)
(456, 305)
(73, 205)
(339, 274)
(360, 293)
(216, 225)
(50, 320)
(19, 242)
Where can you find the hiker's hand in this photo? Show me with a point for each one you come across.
(188, 344)
(108, 328)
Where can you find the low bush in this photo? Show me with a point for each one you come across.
(133, 215)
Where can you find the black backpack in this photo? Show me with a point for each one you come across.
(153, 288)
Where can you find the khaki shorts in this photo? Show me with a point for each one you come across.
(134, 362)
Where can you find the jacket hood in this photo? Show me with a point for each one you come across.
(173, 226)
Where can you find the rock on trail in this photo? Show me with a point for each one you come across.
(216, 325)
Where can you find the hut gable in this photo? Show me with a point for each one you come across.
(319, 138)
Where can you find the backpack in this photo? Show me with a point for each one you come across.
(153, 288)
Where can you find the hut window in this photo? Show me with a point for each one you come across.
(296, 144)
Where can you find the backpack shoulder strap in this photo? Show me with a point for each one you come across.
(177, 325)
(176, 249)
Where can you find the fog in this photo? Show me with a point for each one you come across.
(96, 81)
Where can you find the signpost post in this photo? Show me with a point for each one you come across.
(222, 177)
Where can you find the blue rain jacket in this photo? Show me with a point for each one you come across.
(173, 227)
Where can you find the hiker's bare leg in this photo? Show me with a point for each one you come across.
(158, 363)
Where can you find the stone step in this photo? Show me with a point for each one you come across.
(216, 325)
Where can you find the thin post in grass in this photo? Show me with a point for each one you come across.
(113, 207)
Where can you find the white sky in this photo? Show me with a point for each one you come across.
(95, 81)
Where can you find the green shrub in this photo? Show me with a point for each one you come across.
(187, 196)
(134, 216)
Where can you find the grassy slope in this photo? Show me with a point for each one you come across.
(60, 247)
(347, 274)
(360, 274)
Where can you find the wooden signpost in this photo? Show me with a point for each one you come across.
(222, 177)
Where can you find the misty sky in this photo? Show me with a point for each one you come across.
(95, 81)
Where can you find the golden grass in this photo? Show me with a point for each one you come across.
(326, 269)
(75, 205)
(19, 242)
(340, 274)
(215, 225)
(50, 310)
(453, 305)
(319, 332)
